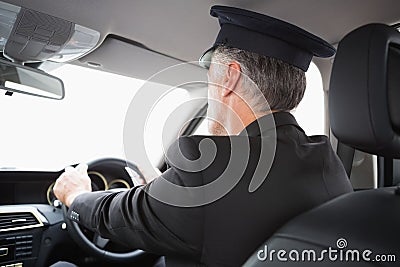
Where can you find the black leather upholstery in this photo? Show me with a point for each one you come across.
(366, 220)
(365, 89)
(365, 114)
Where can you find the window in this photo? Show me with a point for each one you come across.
(310, 114)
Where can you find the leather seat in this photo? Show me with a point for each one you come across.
(365, 115)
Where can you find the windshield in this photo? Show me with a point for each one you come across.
(87, 124)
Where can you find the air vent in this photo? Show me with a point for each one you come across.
(23, 246)
(18, 220)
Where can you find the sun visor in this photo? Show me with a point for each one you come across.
(30, 36)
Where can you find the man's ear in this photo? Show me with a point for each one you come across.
(232, 77)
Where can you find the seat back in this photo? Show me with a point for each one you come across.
(364, 90)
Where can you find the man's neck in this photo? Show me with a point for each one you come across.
(247, 119)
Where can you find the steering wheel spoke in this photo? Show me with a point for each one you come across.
(100, 241)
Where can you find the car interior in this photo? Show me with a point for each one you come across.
(63, 52)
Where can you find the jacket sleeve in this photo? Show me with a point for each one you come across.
(137, 220)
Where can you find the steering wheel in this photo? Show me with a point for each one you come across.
(96, 246)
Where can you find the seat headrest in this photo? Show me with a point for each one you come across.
(364, 93)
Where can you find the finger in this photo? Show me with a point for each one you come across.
(82, 168)
(69, 169)
(57, 189)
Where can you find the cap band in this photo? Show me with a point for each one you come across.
(238, 37)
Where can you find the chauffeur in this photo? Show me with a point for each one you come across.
(252, 51)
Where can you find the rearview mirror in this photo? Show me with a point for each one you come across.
(22, 79)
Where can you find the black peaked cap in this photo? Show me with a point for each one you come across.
(265, 35)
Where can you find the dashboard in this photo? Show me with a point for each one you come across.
(32, 227)
(36, 187)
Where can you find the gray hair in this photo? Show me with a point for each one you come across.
(282, 84)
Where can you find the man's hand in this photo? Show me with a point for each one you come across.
(73, 182)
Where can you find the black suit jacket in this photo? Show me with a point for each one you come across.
(305, 173)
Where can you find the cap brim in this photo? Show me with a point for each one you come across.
(205, 59)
